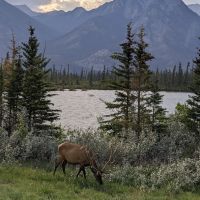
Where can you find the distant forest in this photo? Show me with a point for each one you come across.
(178, 78)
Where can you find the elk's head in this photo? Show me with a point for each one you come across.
(97, 174)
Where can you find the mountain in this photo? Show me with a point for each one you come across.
(171, 28)
(84, 38)
(195, 8)
(63, 21)
(14, 20)
(27, 10)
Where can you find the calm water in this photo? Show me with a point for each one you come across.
(80, 109)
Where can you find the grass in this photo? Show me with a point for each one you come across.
(24, 183)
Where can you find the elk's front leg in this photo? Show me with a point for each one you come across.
(84, 172)
(82, 168)
(63, 166)
(58, 161)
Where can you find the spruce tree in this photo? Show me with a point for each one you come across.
(157, 112)
(14, 94)
(141, 83)
(13, 88)
(36, 89)
(121, 118)
(194, 100)
(1, 95)
(91, 77)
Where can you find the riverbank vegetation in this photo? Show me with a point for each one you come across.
(177, 78)
(152, 152)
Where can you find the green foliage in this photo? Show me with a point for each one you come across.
(1, 94)
(13, 89)
(28, 183)
(157, 112)
(35, 87)
(175, 177)
(14, 96)
(121, 119)
(194, 100)
(181, 113)
(141, 84)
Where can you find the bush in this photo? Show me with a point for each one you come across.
(14, 149)
(179, 176)
(4, 140)
(31, 148)
(139, 177)
(39, 149)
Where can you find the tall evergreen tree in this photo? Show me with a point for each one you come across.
(194, 100)
(13, 88)
(141, 83)
(157, 112)
(1, 94)
(121, 119)
(13, 96)
(35, 87)
(91, 77)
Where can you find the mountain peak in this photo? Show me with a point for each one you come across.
(79, 9)
(24, 8)
(195, 8)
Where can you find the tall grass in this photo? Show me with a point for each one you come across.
(24, 183)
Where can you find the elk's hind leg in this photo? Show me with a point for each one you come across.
(58, 161)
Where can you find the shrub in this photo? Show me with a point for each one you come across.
(31, 148)
(175, 177)
(4, 139)
(39, 149)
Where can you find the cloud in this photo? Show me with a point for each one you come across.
(49, 5)
(70, 4)
(59, 5)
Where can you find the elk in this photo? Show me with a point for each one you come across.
(76, 154)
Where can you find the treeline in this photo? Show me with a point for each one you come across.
(178, 78)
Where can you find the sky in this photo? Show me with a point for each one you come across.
(48, 5)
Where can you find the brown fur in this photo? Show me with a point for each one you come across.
(76, 154)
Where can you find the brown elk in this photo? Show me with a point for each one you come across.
(76, 154)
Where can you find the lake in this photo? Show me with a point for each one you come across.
(80, 109)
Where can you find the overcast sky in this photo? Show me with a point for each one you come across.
(47, 5)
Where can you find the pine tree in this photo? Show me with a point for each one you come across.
(35, 87)
(141, 83)
(1, 94)
(180, 77)
(13, 96)
(13, 88)
(194, 100)
(91, 77)
(121, 119)
(157, 112)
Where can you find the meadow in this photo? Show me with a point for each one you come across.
(23, 183)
